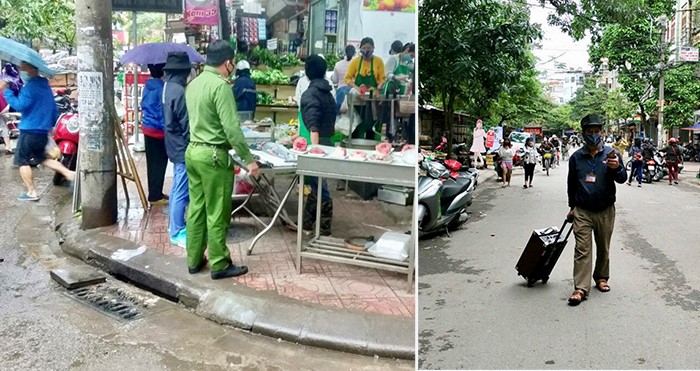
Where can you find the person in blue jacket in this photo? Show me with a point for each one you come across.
(152, 124)
(244, 89)
(177, 137)
(39, 114)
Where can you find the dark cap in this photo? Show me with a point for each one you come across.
(590, 120)
(178, 61)
(397, 47)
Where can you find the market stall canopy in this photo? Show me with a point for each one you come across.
(17, 53)
(694, 127)
(157, 53)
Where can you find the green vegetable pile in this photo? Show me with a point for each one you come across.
(263, 56)
(271, 77)
(290, 60)
(264, 98)
(331, 60)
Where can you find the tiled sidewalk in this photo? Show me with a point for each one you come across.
(272, 262)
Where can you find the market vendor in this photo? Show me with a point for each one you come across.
(399, 69)
(367, 70)
(318, 111)
(244, 89)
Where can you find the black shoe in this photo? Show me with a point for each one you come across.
(231, 271)
(198, 268)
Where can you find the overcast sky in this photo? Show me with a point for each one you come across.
(556, 44)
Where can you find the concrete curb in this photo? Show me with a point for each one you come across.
(240, 306)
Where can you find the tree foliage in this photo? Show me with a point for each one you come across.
(50, 22)
(472, 51)
(521, 104)
(681, 94)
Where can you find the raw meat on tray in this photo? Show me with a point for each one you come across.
(358, 155)
(339, 152)
(317, 151)
(299, 144)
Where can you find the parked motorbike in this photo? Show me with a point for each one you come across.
(442, 198)
(66, 133)
(649, 170)
(11, 119)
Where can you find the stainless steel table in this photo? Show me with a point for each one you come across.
(264, 187)
(333, 249)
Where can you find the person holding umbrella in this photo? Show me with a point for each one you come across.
(214, 130)
(39, 114)
(177, 136)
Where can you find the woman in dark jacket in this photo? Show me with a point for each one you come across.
(152, 124)
(318, 112)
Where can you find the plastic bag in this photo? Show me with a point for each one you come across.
(52, 151)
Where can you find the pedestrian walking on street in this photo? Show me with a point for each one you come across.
(593, 171)
(636, 154)
(39, 114)
(507, 152)
(673, 158)
(154, 135)
(530, 162)
(620, 144)
(318, 110)
(177, 136)
(214, 130)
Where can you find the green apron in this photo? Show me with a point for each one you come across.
(370, 80)
(395, 86)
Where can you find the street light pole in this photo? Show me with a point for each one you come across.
(660, 127)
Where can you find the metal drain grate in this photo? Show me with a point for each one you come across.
(113, 301)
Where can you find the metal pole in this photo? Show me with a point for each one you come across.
(98, 169)
(138, 145)
(660, 126)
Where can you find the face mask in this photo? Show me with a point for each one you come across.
(24, 75)
(407, 59)
(367, 53)
(593, 140)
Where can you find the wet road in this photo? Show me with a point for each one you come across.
(476, 313)
(42, 329)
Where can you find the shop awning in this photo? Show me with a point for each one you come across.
(694, 127)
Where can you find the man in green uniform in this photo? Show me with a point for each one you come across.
(214, 130)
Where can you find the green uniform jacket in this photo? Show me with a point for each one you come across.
(212, 113)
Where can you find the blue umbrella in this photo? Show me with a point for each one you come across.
(17, 53)
(157, 53)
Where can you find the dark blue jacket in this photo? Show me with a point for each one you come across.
(601, 194)
(151, 105)
(35, 102)
(177, 128)
(244, 91)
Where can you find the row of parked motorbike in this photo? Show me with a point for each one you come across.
(445, 191)
(655, 169)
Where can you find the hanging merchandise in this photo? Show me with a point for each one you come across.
(331, 21)
(249, 30)
(262, 29)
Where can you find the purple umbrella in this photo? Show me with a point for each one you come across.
(157, 53)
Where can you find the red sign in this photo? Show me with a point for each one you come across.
(202, 12)
(533, 130)
(490, 138)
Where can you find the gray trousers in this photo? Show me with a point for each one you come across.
(590, 225)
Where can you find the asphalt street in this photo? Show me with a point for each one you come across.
(43, 329)
(475, 312)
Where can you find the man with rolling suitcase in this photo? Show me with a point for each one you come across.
(593, 171)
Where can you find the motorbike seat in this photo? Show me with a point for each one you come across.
(453, 187)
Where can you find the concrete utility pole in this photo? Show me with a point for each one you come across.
(98, 174)
(660, 127)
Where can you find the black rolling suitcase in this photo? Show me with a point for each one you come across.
(541, 254)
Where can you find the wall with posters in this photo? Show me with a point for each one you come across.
(384, 24)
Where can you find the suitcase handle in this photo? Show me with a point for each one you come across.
(562, 230)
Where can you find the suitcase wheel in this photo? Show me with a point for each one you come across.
(544, 280)
(530, 283)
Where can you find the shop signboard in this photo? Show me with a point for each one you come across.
(272, 44)
(155, 6)
(533, 130)
(202, 12)
(490, 138)
(689, 54)
(408, 6)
